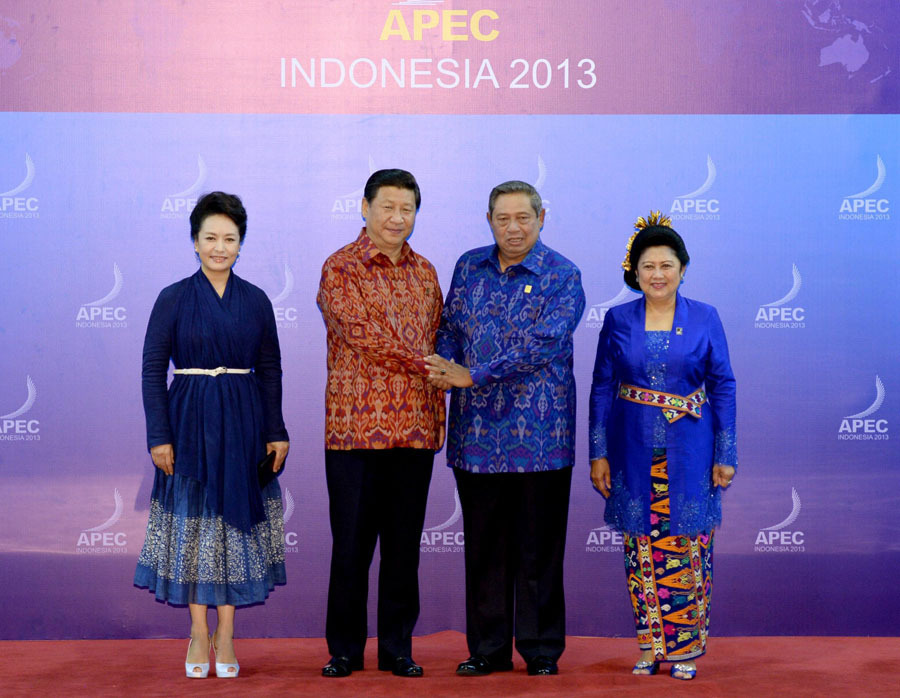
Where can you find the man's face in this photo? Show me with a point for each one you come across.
(390, 218)
(515, 226)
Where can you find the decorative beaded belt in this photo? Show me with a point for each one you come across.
(209, 371)
(674, 407)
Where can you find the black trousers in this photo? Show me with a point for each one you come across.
(375, 494)
(515, 529)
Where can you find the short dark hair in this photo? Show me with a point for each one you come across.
(654, 236)
(391, 178)
(515, 186)
(218, 202)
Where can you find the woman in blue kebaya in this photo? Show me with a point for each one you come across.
(662, 445)
(215, 536)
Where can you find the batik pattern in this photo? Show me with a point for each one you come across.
(669, 581)
(381, 319)
(513, 330)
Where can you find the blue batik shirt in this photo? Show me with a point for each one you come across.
(513, 330)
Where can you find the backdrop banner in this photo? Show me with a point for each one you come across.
(768, 131)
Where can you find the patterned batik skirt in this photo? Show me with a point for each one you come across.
(669, 580)
(191, 555)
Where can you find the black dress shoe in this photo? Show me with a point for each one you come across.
(479, 665)
(339, 667)
(542, 666)
(400, 666)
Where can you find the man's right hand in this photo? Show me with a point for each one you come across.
(445, 374)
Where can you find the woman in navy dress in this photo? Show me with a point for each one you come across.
(662, 445)
(214, 537)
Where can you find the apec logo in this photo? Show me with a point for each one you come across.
(348, 207)
(99, 540)
(439, 539)
(780, 538)
(779, 314)
(597, 312)
(539, 184)
(861, 426)
(102, 313)
(13, 427)
(291, 539)
(863, 206)
(285, 316)
(447, 24)
(691, 207)
(181, 204)
(604, 540)
(14, 206)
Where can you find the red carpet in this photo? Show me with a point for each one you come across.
(755, 666)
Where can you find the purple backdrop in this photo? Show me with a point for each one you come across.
(787, 218)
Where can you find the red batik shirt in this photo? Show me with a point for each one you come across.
(381, 319)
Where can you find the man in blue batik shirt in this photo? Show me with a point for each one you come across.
(506, 333)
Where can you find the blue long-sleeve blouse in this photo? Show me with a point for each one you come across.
(513, 330)
(694, 354)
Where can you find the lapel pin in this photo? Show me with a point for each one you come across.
(527, 288)
(679, 330)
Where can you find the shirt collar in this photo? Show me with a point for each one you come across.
(533, 262)
(368, 251)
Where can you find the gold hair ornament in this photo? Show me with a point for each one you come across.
(655, 218)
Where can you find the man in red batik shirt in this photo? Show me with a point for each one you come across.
(381, 303)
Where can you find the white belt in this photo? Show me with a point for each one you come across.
(209, 371)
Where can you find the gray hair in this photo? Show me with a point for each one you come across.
(515, 186)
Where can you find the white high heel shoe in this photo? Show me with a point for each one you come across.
(223, 669)
(191, 669)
